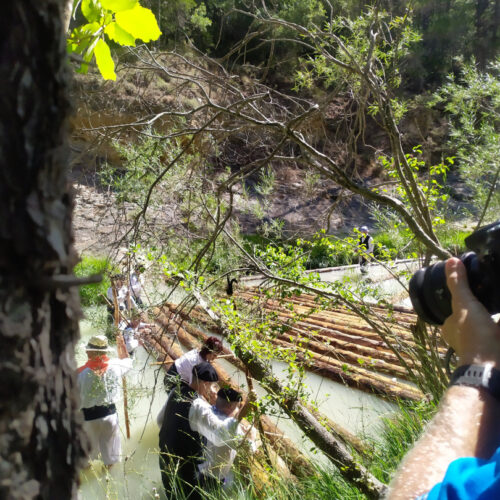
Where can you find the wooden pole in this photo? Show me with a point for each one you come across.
(124, 380)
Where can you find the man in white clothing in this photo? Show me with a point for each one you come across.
(99, 382)
(183, 367)
(124, 299)
(136, 283)
(132, 329)
(220, 451)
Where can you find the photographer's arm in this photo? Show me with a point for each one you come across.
(467, 421)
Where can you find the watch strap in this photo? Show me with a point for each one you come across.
(484, 376)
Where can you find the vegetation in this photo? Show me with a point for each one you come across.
(119, 21)
(246, 118)
(93, 294)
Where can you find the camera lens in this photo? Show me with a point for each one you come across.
(429, 294)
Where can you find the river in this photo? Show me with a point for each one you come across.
(138, 476)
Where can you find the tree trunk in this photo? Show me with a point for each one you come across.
(481, 38)
(40, 436)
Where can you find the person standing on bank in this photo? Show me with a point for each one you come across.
(183, 367)
(99, 383)
(366, 248)
(181, 446)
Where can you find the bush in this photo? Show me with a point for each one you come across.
(92, 295)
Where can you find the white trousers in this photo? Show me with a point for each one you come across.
(104, 434)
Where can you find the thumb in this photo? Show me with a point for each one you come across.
(458, 284)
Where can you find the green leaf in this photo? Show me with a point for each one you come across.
(139, 22)
(118, 5)
(92, 10)
(119, 35)
(104, 60)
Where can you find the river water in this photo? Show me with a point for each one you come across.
(138, 476)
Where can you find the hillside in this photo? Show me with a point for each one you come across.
(106, 112)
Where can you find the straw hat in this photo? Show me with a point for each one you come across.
(98, 343)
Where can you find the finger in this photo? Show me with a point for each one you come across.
(456, 279)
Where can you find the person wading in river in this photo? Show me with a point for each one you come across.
(99, 383)
(181, 446)
(182, 369)
(220, 425)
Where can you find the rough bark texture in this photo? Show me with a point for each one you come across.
(40, 445)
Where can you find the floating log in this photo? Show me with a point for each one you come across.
(357, 377)
(353, 345)
(324, 352)
(340, 315)
(346, 326)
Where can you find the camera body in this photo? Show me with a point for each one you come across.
(429, 293)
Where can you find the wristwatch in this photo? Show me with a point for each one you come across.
(478, 376)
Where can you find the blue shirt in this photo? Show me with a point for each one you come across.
(467, 479)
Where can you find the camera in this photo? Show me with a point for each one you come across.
(429, 294)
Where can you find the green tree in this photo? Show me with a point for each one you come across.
(472, 102)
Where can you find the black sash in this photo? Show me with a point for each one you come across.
(98, 412)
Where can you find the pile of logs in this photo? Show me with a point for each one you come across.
(338, 343)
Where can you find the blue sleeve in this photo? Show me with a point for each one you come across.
(469, 478)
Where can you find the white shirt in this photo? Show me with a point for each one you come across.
(130, 339)
(129, 334)
(186, 363)
(121, 297)
(99, 390)
(223, 435)
(136, 284)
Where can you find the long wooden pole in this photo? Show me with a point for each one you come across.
(124, 380)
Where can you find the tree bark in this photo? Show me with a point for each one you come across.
(40, 429)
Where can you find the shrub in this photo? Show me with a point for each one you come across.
(91, 295)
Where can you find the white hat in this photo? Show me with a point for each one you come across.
(364, 229)
(98, 343)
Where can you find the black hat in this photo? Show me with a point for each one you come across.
(205, 372)
(229, 395)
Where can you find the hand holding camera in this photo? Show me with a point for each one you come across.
(431, 297)
(470, 330)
